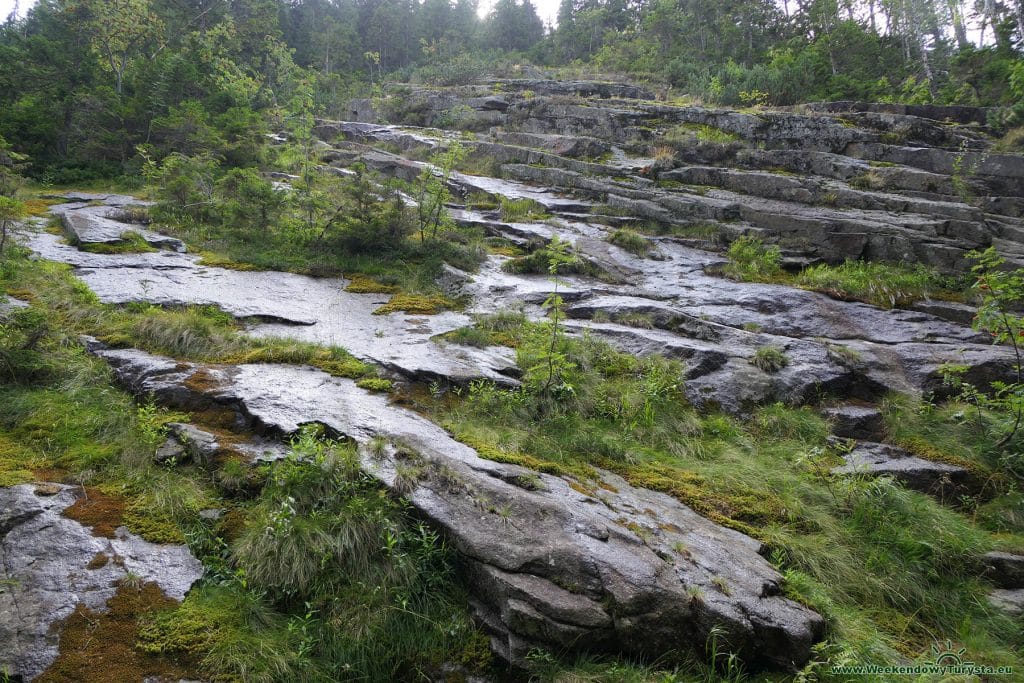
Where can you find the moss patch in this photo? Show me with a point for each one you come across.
(142, 517)
(414, 303)
(131, 243)
(101, 511)
(375, 384)
(100, 646)
(362, 284)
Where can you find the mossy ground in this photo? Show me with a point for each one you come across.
(99, 647)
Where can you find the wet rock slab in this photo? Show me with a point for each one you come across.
(48, 569)
(603, 566)
(317, 310)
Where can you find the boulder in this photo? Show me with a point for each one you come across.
(1005, 570)
(90, 225)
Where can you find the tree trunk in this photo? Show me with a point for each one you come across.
(956, 15)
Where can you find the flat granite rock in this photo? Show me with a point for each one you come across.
(558, 568)
(45, 559)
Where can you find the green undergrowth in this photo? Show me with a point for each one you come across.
(409, 266)
(881, 284)
(892, 570)
(319, 576)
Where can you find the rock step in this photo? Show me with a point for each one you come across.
(828, 234)
(942, 480)
(558, 568)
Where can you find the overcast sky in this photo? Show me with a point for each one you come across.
(547, 9)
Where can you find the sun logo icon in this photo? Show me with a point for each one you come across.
(949, 656)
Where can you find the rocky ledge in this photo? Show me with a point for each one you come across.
(827, 183)
(597, 565)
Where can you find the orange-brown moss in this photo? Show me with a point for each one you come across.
(214, 418)
(202, 381)
(99, 647)
(101, 511)
(98, 561)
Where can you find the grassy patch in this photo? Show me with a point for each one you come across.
(701, 132)
(131, 242)
(522, 210)
(881, 284)
(631, 241)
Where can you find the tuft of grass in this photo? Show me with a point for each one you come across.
(769, 359)
(522, 210)
(751, 260)
(631, 241)
(868, 180)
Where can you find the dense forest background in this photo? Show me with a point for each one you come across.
(90, 88)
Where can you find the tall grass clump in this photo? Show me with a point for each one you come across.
(751, 260)
(881, 284)
(631, 241)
